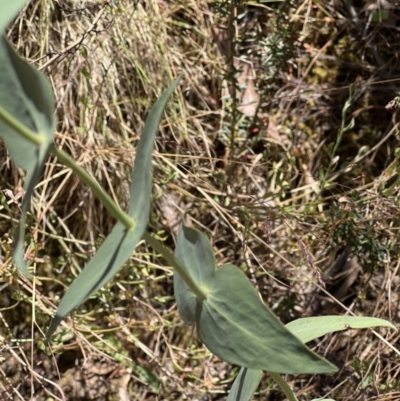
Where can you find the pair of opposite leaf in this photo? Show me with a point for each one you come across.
(230, 316)
(27, 125)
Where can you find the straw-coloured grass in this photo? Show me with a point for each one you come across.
(264, 185)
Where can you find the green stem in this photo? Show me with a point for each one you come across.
(284, 386)
(124, 218)
(31, 136)
(102, 195)
(98, 191)
(171, 259)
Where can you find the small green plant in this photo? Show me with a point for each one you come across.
(230, 317)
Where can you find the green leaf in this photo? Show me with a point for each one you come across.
(245, 385)
(233, 315)
(310, 328)
(192, 250)
(139, 204)
(232, 321)
(119, 245)
(26, 111)
(9, 10)
(110, 257)
(306, 329)
(380, 15)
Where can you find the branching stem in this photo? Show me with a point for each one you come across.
(125, 219)
(171, 259)
(102, 195)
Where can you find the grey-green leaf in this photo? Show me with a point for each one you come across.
(25, 94)
(139, 204)
(307, 329)
(9, 10)
(310, 328)
(107, 261)
(245, 385)
(195, 253)
(119, 245)
(235, 325)
(232, 321)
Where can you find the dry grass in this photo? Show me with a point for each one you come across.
(263, 187)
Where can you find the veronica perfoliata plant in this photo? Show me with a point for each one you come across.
(230, 317)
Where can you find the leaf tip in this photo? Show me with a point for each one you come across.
(53, 326)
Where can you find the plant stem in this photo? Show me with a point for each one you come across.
(31, 136)
(102, 195)
(171, 259)
(284, 386)
(124, 218)
(98, 191)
